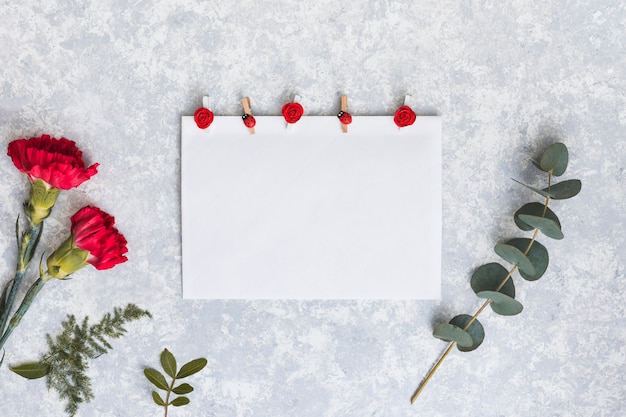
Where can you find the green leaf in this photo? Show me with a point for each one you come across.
(157, 399)
(534, 209)
(502, 303)
(488, 277)
(475, 330)
(191, 367)
(564, 190)
(32, 370)
(537, 254)
(454, 331)
(515, 256)
(168, 362)
(156, 378)
(178, 401)
(183, 389)
(554, 159)
(537, 190)
(451, 333)
(548, 227)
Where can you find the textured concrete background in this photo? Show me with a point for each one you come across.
(507, 77)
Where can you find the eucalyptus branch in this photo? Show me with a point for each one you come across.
(530, 258)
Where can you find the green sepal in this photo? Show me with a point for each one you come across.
(32, 370)
(515, 256)
(564, 190)
(42, 199)
(489, 277)
(168, 362)
(554, 159)
(157, 399)
(454, 331)
(547, 226)
(156, 378)
(183, 389)
(191, 368)
(179, 401)
(502, 303)
(537, 254)
(534, 209)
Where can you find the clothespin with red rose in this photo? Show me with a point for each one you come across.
(292, 112)
(405, 116)
(344, 117)
(203, 116)
(248, 119)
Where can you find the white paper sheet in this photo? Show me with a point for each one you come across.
(310, 212)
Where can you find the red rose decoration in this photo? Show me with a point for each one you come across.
(292, 112)
(57, 162)
(203, 117)
(344, 117)
(92, 230)
(404, 116)
(248, 120)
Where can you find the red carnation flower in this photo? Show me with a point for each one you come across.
(93, 231)
(404, 116)
(203, 117)
(344, 117)
(292, 112)
(249, 120)
(57, 162)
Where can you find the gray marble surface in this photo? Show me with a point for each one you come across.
(507, 77)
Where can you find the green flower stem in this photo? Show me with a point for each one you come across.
(23, 308)
(482, 308)
(26, 248)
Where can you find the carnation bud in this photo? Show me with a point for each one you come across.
(42, 199)
(66, 260)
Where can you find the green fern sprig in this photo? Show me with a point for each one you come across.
(66, 362)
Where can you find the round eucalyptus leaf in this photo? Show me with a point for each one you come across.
(489, 277)
(502, 303)
(537, 254)
(515, 256)
(534, 209)
(554, 159)
(547, 226)
(452, 333)
(564, 190)
(475, 330)
(537, 190)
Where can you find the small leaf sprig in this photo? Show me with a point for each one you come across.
(492, 281)
(66, 362)
(168, 362)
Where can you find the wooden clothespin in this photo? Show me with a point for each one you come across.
(344, 117)
(248, 117)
